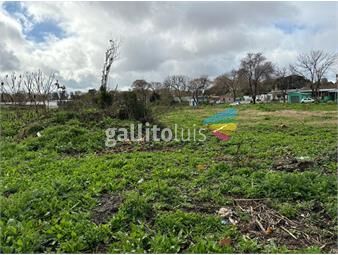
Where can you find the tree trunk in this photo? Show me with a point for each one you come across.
(195, 98)
(317, 90)
(254, 92)
(284, 94)
(313, 92)
(179, 96)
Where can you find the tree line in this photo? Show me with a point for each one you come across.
(255, 74)
(34, 88)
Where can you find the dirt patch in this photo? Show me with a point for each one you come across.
(299, 115)
(290, 164)
(293, 113)
(107, 207)
(265, 224)
(322, 123)
(131, 147)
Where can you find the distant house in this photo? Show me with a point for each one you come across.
(247, 99)
(277, 95)
(297, 96)
(264, 97)
(219, 99)
(325, 95)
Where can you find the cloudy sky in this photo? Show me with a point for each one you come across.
(158, 38)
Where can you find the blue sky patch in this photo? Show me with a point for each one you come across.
(12, 7)
(288, 27)
(37, 31)
(40, 30)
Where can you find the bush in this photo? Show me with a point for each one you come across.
(131, 108)
(67, 139)
(105, 99)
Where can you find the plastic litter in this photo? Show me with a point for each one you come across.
(227, 215)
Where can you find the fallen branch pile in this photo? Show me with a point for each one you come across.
(267, 225)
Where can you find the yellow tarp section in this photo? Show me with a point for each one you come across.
(229, 127)
(226, 132)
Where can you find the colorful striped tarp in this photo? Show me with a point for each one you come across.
(222, 124)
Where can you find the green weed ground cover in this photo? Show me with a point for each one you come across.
(64, 192)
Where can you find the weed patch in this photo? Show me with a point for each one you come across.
(65, 192)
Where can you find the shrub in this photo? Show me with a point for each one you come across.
(105, 98)
(131, 108)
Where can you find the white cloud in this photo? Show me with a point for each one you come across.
(162, 38)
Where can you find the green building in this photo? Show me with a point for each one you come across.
(325, 95)
(329, 95)
(297, 96)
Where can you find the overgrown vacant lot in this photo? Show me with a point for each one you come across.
(275, 179)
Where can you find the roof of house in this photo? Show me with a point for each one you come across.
(306, 90)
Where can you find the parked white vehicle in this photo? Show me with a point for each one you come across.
(235, 103)
(307, 100)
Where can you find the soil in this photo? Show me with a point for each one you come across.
(290, 164)
(107, 207)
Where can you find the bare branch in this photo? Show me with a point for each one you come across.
(313, 66)
(112, 54)
(177, 83)
(255, 68)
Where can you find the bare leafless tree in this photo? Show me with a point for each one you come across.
(34, 87)
(233, 83)
(43, 86)
(178, 84)
(313, 66)
(198, 86)
(30, 88)
(221, 84)
(12, 87)
(2, 90)
(255, 68)
(112, 54)
(156, 86)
